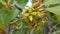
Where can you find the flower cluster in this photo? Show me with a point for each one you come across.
(30, 12)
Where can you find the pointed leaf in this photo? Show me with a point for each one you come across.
(13, 13)
(52, 1)
(55, 10)
(54, 5)
(2, 16)
(31, 18)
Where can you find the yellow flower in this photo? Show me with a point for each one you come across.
(34, 13)
(31, 18)
(29, 15)
(30, 12)
(25, 15)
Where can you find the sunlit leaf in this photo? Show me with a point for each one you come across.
(51, 1)
(31, 18)
(45, 1)
(58, 17)
(10, 1)
(55, 10)
(2, 1)
(54, 5)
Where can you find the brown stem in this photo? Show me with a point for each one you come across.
(33, 1)
(39, 3)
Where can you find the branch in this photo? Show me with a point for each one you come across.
(33, 1)
(53, 28)
(32, 30)
(56, 32)
(16, 5)
(40, 2)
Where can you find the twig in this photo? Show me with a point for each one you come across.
(56, 32)
(16, 5)
(32, 30)
(48, 20)
(52, 28)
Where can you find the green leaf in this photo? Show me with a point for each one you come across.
(10, 1)
(54, 5)
(45, 1)
(22, 2)
(12, 14)
(1, 5)
(17, 32)
(58, 17)
(2, 16)
(51, 1)
(2, 1)
(55, 10)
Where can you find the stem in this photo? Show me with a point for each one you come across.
(33, 1)
(17, 6)
(39, 2)
(56, 32)
(32, 30)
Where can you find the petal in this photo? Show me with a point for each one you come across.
(39, 14)
(34, 13)
(30, 10)
(31, 18)
(25, 15)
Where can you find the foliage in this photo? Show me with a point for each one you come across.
(40, 18)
